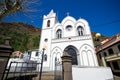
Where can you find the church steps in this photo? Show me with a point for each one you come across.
(47, 76)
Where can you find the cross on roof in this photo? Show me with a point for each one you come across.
(68, 13)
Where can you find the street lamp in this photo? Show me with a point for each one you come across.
(98, 39)
(41, 64)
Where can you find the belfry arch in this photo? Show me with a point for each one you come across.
(72, 50)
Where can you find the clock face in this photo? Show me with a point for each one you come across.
(69, 28)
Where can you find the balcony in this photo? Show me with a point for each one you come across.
(113, 57)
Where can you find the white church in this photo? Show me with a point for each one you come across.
(71, 35)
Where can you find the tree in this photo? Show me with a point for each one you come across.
(13, 6)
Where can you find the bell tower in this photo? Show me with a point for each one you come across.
(49, 20)
(46, 36)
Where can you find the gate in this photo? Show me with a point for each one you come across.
(58, 69)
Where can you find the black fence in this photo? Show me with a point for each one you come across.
(21, 71)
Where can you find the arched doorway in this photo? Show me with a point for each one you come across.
(73, 52)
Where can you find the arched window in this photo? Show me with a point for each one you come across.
(80, 31)
(119, 47)
(105, 54)
(59, 34)
(111, 52)
(48, 23)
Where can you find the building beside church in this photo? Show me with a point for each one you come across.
(71, 35)
(111, 53)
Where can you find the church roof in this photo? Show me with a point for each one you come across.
(83, 21)
(51, 14)
(68, 18)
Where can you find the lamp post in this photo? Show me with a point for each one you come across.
(98, 36)
(41, 64)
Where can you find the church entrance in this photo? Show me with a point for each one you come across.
(73, 52)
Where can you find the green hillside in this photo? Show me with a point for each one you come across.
(23, 36)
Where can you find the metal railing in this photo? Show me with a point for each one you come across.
(21, 71)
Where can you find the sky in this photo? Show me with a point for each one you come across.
(103, 16)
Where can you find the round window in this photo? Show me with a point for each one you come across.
(46, 40)
(69, 28)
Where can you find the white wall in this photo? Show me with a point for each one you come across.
(92, 73)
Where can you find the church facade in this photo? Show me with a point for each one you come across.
(69, 34)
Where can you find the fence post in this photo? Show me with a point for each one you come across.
(66, 66)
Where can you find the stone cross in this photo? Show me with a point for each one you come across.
(68, 13)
